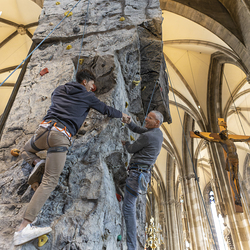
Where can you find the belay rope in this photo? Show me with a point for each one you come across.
(43, 41)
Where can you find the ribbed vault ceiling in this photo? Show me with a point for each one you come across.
(18, 21)
(199, 60)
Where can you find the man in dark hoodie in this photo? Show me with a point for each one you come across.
(70, 104)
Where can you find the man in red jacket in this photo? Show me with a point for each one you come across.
(70, 104)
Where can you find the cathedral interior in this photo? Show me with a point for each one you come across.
(206, 50)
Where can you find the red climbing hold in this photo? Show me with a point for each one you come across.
(44, 71)
(94, 88)
(119, 197)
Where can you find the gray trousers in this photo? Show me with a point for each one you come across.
(53, 167)
(129, 207)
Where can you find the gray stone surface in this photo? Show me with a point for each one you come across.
(83, 210)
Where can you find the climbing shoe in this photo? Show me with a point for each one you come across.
(37, 172)
(29, 233)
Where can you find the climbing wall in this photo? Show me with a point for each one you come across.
(122, 46)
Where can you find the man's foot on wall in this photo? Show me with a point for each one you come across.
(37, 172)
(29, 233)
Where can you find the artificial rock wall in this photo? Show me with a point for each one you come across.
(83, 210)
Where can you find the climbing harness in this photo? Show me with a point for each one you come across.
(142, 182)
(51, 125)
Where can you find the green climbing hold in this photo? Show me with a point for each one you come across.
(119, 237)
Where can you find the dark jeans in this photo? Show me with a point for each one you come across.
(129, 206)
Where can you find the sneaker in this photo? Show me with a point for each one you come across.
(37, 172)
(29, 233)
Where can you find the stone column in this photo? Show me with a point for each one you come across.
(174, 235)
(194, 212)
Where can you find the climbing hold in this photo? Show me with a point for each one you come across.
(135, 82)
(69, 47)
(51, 24)
(81, 61)
(85, 124)
(82, 22)
(126, 104)
(67, 13)
(161, 89)
(119, 197)
(58, 3)
(132, 138)
(143, 88)
(137, 118)
(119, 237)
(76, 29)
(94, 88)
(42, 240)
(15, 152)
(123, 124)
(43, 98)
(126, 163)
(44, 71)
(122, 18)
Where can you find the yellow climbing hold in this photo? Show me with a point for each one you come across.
(122, 18)
(51, 24)
(136, 82)
(42, 240)
(66, 13)
(126, 163)
(123, 124)
(57, 3)
(126, 105)
(132, 138)
(81, 61)
(69, 47)
(143, 88)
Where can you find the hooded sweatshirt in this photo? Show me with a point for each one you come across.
(70, 104)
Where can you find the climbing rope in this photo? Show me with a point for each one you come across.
(85, 24)
(196, 177)
(40, 43)
(74, 76)
(150, 102)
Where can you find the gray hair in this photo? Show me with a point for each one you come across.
(158, 116)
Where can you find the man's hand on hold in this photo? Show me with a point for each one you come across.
(126, 118)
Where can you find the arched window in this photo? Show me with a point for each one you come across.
(218, 221)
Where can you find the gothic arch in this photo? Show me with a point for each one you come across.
(233, 41)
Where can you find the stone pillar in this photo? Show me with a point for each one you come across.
(174, 232)
(194, 212)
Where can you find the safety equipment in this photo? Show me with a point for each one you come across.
(131, 191)
(143, 184)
